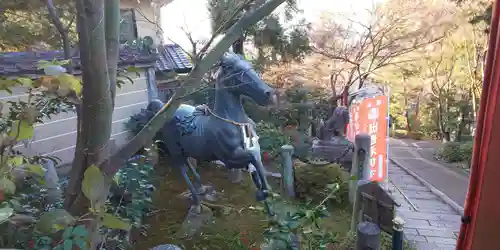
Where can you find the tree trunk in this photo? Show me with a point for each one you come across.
(416, 121)
(238, 46)
(63, 32)
(407, 114)
(409, 127)
(462, 124)
(97, 104)
(112, 21)
(474, 111)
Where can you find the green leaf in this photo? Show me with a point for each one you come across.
(8, 186)
(26, 82)
(68, 233)
(15, 204)
(135, 70)
(70, 82)
(80, 231)
(22, 130)
(64, 62)
(68, 245)
(5, 214)
(111, 221)
(81, 243)
(58, 247)
(15, 161)
(36, 169)
(93, 184)
(42, 64)
(53, 221)
(5, 84)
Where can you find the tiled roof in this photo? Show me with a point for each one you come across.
(24, 63)
(173, 58)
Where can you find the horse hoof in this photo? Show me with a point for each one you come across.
(205, 192)
(197, 217)
(208, 193)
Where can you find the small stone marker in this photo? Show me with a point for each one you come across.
(368, 236)
(166, 247)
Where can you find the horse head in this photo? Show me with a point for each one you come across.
(240, 79)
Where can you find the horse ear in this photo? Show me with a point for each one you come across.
(225, 57)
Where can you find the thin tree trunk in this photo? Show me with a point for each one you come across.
(462, 124)
(112, 21)
(97, 106)
(416, 121)
(238, 47)
(63, 32)
(474, 111)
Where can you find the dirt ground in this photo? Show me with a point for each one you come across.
(234, 216)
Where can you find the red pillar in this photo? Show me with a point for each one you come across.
(481, 223)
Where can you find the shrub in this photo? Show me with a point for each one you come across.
(416, 135)
(456, 152)
(466, 150)
(271, 138)
(311, 183)
(400, 133)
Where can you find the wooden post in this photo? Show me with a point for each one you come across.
(398, 235)
(368, 236)
(360, 163)
(287, 174)
(360, 174)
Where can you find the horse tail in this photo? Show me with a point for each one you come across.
(138, 121)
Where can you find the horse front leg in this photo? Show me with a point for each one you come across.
(254, 166)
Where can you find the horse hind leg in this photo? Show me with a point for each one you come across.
(195, 199)
(205, 192)
(191, 163)
(198, 215)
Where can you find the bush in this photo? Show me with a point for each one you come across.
(456, 152)
(466, 150)
(271, 138)
(416, 135)
(400, 133)
(311, 183)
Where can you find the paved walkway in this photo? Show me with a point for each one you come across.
(431, 224)
(418, 157)
(432, 193)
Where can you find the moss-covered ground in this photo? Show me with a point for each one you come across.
(236, 221)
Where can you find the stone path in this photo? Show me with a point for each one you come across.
(431, 224)
(418, 157)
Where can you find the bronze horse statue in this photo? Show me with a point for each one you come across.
(225, 133)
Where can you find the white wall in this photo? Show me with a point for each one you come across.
(148, 19)
(57, 136)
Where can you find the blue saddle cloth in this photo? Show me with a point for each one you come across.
(186, 120)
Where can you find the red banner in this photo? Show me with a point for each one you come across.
(370, 116)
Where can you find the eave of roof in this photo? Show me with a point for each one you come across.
(25, 63)
(173, 58)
